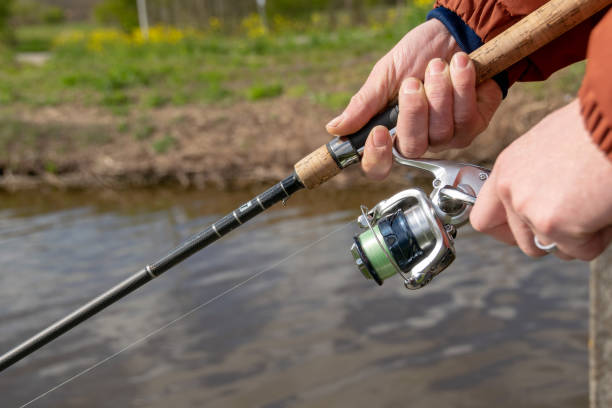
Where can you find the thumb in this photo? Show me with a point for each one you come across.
(373, 97)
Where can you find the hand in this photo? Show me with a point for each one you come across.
(447, 111)
(553, 182)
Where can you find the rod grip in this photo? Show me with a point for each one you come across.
(316, 168)
(386, 118)
(532, 32)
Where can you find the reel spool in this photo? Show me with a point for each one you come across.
(411, 234)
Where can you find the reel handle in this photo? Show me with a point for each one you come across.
(532, 32)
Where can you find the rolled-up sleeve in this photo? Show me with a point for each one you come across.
(490, 18)
(596, 90)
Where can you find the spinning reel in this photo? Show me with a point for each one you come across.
(412, 234)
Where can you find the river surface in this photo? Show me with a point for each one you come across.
(496, 329)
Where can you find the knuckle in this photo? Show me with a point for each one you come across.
(503, 187)
(440, 134)
(359, 99)
(466, 115)
(412, 146)
(547, 224)
(462, 80)
(415, 106)
(438, 94)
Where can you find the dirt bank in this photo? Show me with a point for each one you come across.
(196, 146)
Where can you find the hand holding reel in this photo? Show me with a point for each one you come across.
(412, 234)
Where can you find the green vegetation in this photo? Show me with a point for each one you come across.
(6, 33)
(260, 91)
(120, 12)
(40, 37)
(31, 12)
(122, 72)
(566, 82)
(164, 144)
(18, 137)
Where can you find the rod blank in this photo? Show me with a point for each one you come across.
(219, 229)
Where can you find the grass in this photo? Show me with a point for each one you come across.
(93, 66)
(164, 144)
(566, 82)
(262, 91)
(39, 38)
(19, 137)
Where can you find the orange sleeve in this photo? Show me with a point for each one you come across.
(489, 18)
(596, 90)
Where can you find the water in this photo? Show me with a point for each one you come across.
(496, 329)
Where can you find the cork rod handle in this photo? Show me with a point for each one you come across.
(531, 33)
(517, 42)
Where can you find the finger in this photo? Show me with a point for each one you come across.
(439, 91)
(413, 119)
(488, 99)
(562, 255)
(523, 234)
(373, 96)
(488, 212)
(502, 233)
(377, 155)
(558, 251)
(587, 248)
(468, 122)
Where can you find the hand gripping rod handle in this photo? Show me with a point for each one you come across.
(534, 31)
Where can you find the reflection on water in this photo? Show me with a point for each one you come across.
(496, 329)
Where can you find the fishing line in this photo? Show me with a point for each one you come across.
(185, 315)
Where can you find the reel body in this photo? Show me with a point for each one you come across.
(412, 234)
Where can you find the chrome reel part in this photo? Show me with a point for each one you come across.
(411, 234)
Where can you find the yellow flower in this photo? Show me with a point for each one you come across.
(253, 26)
(215, 24)
(158, 35)
(423, 3)
(101, 38)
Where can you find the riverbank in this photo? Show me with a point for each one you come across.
(196, 146)
(197, 109)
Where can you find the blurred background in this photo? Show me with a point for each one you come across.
(201, 92)
(124, 130)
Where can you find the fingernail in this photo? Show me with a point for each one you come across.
(436, 66)
(460, 60)
(335, 122)
(412, 85)
(379, 137)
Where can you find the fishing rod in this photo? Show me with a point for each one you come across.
(381, 250)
